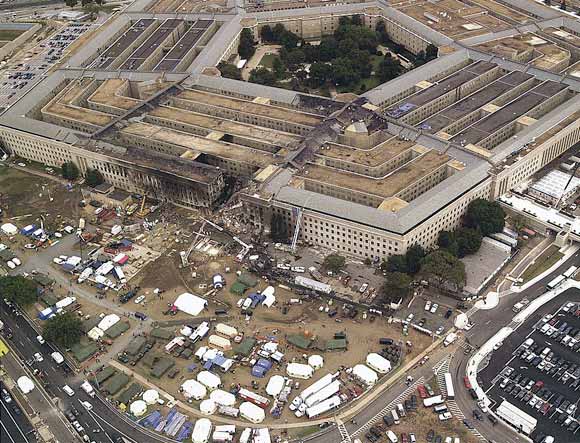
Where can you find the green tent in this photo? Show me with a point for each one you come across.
(238, 288)
(246, 346)
(300, 341)
(337, 344)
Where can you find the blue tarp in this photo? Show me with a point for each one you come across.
(207, 365)
(27, 230)
(152, 420)
(264, 363)
(185, 431)
(259, 371)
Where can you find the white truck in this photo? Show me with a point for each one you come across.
(87, 387)
(451, 337)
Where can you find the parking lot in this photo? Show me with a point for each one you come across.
(538, 369)
(20, 76)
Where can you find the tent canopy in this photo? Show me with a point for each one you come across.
(190, 304)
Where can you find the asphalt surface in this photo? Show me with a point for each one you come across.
(14, 426)
(487, 323)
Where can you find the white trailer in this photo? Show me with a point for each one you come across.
(516, 417)
(317, 386)
(317, 286)
(433, 401)
(326, 392)
(325, 406)
(449, 386)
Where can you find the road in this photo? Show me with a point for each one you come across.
(487, 323)
(103, 424)
(14, 426)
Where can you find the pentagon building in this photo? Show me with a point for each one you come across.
(367, 176)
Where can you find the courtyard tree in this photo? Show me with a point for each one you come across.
(486, 216)
(266, 34)
(262, 76)
(70, 171)
(444, 268)
(93, 177)
(65, 330)
(389, 68)
(468, 241)
(247, 46)
(230, 70)
(319, 74)
(18, 289)
(278, 68)
(334, 262)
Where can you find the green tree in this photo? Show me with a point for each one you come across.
(389, 68)
(396, 287)
(414, 257)
(311, 53)
(468, 241)
(70, 171)
(295, 58)
(65, 330)
(278, 32)
(93, 177)
(230, 70)
(71, 3)
(319, 74)
(328, 49)
(431, 52)
(18, 289)
(334, 262)
(486, 216)
(266, 34)
(443, 267)
(448, 241)
(262, 76)
(247, 46)
(344, 72)
(396, 263)
(278, 68)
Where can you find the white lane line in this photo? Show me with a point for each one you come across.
(13, 421)
(110, 425)
(7, 433)
(100, 427)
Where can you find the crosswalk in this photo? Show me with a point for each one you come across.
(388, 408)
(344, 435)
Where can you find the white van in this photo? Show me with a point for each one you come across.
(395, 417)
(67, 389)
(401, 410)
(87, 405)
(57, 357)
(392, 436)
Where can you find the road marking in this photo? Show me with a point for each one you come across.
(7, 433)
(100, 427)
(13, 421)
(342, 429)
(387, 409)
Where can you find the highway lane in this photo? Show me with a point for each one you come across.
(14, 427)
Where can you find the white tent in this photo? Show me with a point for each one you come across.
(316, 361)
(270, 347)
(190, 304)
(378, 363)
(201, 431)
(207, 407)
(251, 412)
(275, 385)
(226, 330)
(223, 398)
(209, 380)
(95, 334)
(219, 342)
(365, 374)
(299, 370)
(138, 408)
(269, 298)
(25, 384)
(186, 331)
(193, 389)
(151, 396)
(255, 435)
(108, 321)
(67, 301)
(461, 321)
(9, 229)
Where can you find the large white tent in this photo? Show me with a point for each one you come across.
(209, 380)
(25, 384)
(251, 412)
(207, 407)
(223, 398)
(275, 385)
(138, 408)
(299, 370)
(378, 363)
(151, 396)
(190, 304)
(316, 361)
(193, 389)
(108, 321)
(9, 229)
(365, 374)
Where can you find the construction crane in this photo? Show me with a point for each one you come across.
(142, 211)
(185, 257)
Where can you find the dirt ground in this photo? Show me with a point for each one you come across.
(425, 419)
(27, 196)
(166, 274)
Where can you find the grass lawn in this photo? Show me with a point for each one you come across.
(267, 60)
(544, 262)
(9, 34)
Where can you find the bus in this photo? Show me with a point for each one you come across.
(570, 272)
(449, 386)
(556, 282)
